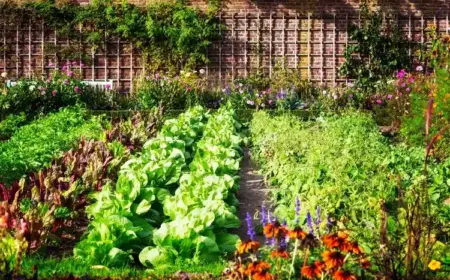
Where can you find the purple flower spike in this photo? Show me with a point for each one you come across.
(309, 221)
(297, 209)
(250, 230)
(318, 220)
(263, 215)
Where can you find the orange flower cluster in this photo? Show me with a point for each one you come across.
(275, 230)
(249, 246)
(333, 258)
(259, 270)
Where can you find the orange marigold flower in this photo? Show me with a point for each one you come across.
(364, 263)
(313, 270)
(343, 275)
(279, 253)
(249, 246)
(263, 275)
(297, 233)
(333, 259)
(275, 229)
(257, 266)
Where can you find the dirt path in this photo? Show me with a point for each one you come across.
(251, 194)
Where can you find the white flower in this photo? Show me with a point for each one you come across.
(324, 92)
(202, 71)
(188, 74)
(194, 71)
(335, 97)
(4, 74)
(181, 72)
(241, 85)
(419, 68)
(31, 88)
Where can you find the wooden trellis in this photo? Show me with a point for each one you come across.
(252, 40)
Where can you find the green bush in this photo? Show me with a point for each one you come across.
(36, 144)
(10, 125)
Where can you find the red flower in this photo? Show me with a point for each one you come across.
(275, 229)
(249, 246)
(343, 275)
(338, 240)
(313, 270)
(333, 259)
(279, 253)
(297, 233)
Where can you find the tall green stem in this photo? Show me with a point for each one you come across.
(293, 259)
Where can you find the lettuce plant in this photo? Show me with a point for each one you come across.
(204, 206)
(123, 216)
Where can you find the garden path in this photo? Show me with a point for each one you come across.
(251, 194)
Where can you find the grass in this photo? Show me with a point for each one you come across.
(54, 268)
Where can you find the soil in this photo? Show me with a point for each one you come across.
(251, 195)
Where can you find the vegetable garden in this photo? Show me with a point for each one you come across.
(353, 182)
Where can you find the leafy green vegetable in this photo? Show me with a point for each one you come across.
(198, 211)
(124, 216)
(38, 143)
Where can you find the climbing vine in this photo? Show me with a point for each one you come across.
(169, 35)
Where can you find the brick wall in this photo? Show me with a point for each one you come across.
(309, 35)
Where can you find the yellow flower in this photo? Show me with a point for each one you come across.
(434, 265)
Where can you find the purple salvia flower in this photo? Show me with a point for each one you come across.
(309, 221)
(263, 215)
(318, 220)
(250, 230)
(297, 209)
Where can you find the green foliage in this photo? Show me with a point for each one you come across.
(10, 125)
(204, 205)
(376, 55)
(169, 34)
(36, 144)
(61, 268)
(336, 163)
(124, 216)
(344, 165)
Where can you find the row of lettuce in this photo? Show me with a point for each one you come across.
(172, 201)
(343, 165)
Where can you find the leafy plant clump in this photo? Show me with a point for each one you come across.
(36, 144)
(125, 215)
(376, 55)
(204, 206)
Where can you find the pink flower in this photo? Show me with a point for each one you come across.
(54, 92)
(419, 68)
(408, 89)
(350, 96)
(66, 82)
(401, 74)
(43, 92)
(77, 89)
(403, 85)
(23, 226)
(389, 96)
(411, 79)
(379, 101)
(70, 73)
(107, 86)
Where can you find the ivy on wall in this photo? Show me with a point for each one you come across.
(169, 35)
